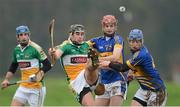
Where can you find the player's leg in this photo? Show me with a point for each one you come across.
(149, 98)
(36, 97)
(136, 103)
(88, 100)
(140, 98)
(91, 70)
(102, 101)
(43, 95)
(116, 100)
(20, 97)
(117, 93)
(165, 99)
(114, 94)
(82, 90)
(85, 97)
(92, 78)
(91, 73)
(16, 102)
(157, 98)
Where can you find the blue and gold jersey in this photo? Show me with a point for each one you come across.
(144, 70)
(105, 48)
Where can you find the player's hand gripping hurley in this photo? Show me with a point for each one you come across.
(51, 31)
(32, 78)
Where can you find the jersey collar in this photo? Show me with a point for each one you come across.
(21, 48)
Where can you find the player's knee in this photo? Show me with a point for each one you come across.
(85, 97)
(88, 100)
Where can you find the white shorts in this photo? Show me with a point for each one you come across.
(80, 82)
(151, 98)
(113, 89)
(34, 97)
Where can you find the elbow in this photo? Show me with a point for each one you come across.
(46, 66)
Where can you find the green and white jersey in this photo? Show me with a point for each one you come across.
(74, 58)
(28, 60)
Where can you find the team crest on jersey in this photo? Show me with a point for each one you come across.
(135, 55)
(26, 56)
(78, 60)
(108, 47)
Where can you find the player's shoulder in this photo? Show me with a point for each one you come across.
(118, 36)
(66, 42)
(118, 39)
(62, 44)
(144, 49)
(17, 47)
(35, 46)
(94, 40)
(98, 37)
(143, 52)
(85, 43)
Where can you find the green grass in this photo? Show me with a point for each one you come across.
(58, 94)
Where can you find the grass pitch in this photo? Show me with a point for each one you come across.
(58, 93)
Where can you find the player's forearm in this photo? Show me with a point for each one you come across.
(58, 54)
(119, 67)
(109, 58)
(54, 53)
(115, 56)
(9, 75)
(56, 57)
(12, 70)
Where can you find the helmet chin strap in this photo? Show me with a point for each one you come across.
(76, 43)
(135, 49)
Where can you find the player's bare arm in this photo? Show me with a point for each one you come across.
(57, 53)
(115, 56)
(5, 82)
(115, 65)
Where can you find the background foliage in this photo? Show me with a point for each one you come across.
(159, 20)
